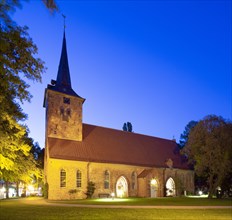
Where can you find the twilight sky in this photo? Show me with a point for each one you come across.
(156, 64)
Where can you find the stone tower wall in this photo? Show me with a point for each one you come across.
(63, 116)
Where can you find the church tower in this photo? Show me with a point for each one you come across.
(63, 105)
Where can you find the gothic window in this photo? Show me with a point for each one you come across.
(106, 180)
(65, 113)
(78, 176)
(62, 178)
(66, 100)
(170, 187)
(133, 180)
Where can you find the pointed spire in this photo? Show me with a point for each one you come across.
(63, 81)
(63, 76)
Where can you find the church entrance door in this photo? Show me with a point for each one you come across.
(122, 187)
(154, 188)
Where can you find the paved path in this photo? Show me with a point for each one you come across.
(45, 202)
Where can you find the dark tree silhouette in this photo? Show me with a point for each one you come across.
(127, 127)
(185, 134)
(209, 148)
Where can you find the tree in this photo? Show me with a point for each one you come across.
(209, 147)
(127, 127)
(90, 189)
(18, 61)
(185, 134)
(7, 6)
(25, 168)
(38, 154)
(51, 5)
(226, 186)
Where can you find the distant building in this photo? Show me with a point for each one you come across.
(124, 163)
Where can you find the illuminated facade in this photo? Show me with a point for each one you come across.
(124, 163)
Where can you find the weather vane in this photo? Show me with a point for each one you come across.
(64, 20)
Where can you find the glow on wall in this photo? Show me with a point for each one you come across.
(122, 187)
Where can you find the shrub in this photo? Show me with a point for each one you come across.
(45, 190)
(90, 189)
(72, 191)
(23, 194)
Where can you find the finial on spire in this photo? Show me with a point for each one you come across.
(64, 20)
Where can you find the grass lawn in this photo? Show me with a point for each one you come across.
(165, 201)
(29, 209)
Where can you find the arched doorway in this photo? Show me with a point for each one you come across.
(170, 187)
(154, 188)
(122, 187)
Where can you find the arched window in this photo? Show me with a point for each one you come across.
(154, 188)
(106, 180)
(62, 178)
(133, 180)
(78, 176)
(170, 187)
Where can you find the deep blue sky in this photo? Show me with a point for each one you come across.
(156, 64)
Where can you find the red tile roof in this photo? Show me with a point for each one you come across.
(114, 146)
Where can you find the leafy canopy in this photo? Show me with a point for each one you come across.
(185, 134)
(19, 64)
(209, 147)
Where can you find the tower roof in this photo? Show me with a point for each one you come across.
(63, 80)
(63, 77)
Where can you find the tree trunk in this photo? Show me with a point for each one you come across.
(210, 196)
(210, 186)
(17, 189)
(213, 184)
(7, 189)
(211, 191)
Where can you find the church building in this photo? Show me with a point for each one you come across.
(120, 162)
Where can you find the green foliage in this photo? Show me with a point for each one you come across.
(124, 128)
(72, 191)
(209, 147)
(18, 60)
(12, 145)
(185, 134)
(18, 63)
(45, 190)
(90, 189)
(226, 186)
(127, 127)
(51, 5)
(37, 153)
(7, 7)
(22, 166)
